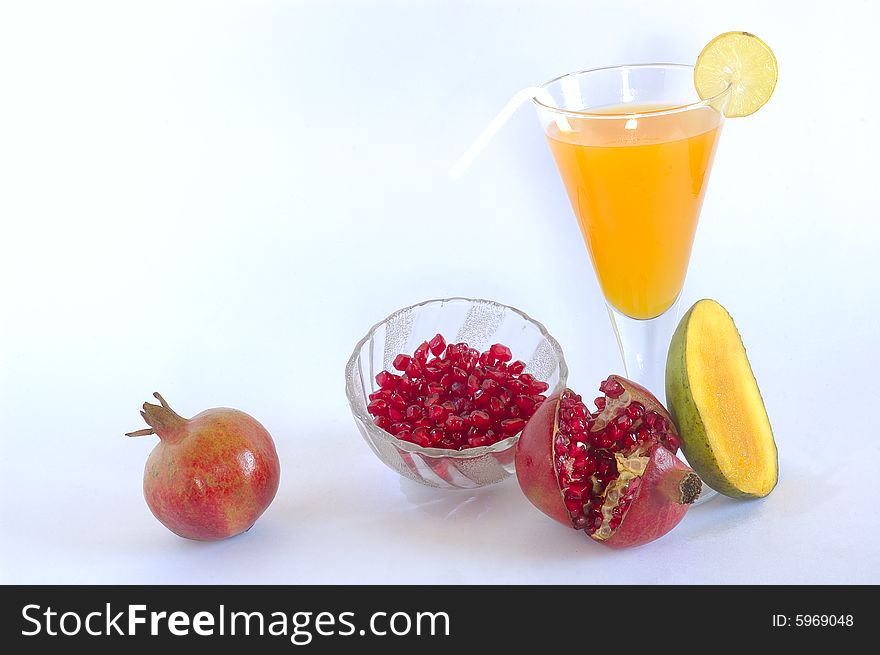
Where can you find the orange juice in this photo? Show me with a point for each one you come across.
(636, 185)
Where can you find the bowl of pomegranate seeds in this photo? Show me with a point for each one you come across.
(442, 390)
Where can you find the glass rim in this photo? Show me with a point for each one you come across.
(705, 102)
(360, 412)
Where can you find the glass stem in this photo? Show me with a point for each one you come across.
(644, 345)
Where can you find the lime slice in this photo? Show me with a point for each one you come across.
(743, 62)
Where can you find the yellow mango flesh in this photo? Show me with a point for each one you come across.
(717, 405)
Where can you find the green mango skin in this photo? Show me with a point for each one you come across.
(686, 416)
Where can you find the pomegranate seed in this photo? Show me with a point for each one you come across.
(421, 353)
(436, 434)
(446, 381)
(454, 423)
(515, 368)
(377, 407)
(401, 362)
(387, 380)
(489, 385)
(413, 412)
(432, 399)
(420, 437)
(437, 413)
(500, 352)
(577, 448)
(480, 419)
(574, 506)
(600, 403)
(635, 411)
(539, 386)
(382, 422)
(395, 414)
(437, 345)
(397, 401)
(511, 426)
(459, 374)
(611, 388)
(496, 406)
(404, 435)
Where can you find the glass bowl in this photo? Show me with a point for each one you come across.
(480, 323)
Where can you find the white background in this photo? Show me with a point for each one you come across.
(216, 200)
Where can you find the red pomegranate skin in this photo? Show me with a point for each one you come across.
(212, 476)
(534, 462)
(656, 510)
(658, 506)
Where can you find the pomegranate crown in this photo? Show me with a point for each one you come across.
(163, 421)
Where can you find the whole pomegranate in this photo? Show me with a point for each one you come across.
(612, 473)
(211, 476)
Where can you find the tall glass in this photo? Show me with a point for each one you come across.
(634, 146)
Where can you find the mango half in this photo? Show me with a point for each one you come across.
(716, 405)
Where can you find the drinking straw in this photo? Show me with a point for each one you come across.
(498, 122)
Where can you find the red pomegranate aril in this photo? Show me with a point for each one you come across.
(501, 352)
(404, 435)
(437, 345)
(431, 373)
(511, 426)
(515, 368)
(401, 362)
(446, 381)
(454, 423)
(395, 414)
(496, 406)
(489, 385)
(459, 374)
(382, 422)
(421, 438)
(377, 407)
(387, 380)
(436, 388)
(395, 428)
(473, 383)
(413, 413)
(413, 369)
(397, 401)
(498, 375)
(538, 386)
(421, 353)
(437, 413)
(600, 403)
(424, 422)
(480, 419)
(611, 388)
(436, 434)
(635, 411)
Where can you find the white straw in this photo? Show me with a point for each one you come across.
(498, 122)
